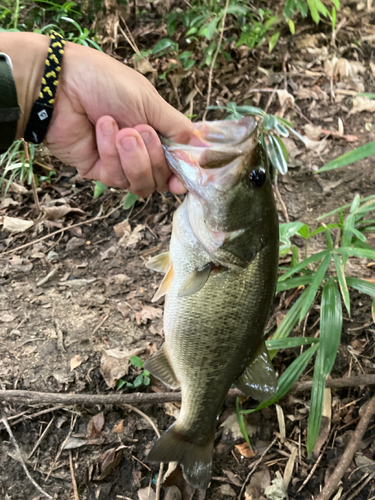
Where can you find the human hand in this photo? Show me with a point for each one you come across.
(105, 119)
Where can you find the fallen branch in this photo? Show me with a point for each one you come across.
(32, 397)
(349, 452)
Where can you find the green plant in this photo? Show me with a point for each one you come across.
(316, 8)
(270, 129)
(17, 163)
(321, 274)
(142, 378)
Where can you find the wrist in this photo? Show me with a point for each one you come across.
(28, 53)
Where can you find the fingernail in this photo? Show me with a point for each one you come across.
(107, 128)
(146, 137)
(129, 143)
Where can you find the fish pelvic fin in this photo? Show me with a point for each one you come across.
(195, 458)
(164, 285)
(195, 281)
(259, 379)
(159, 366)
(159, 263)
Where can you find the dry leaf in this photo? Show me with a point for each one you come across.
(325, 425)
(14, 225)
(7, 202)
(146, 494)
(232, 431)
(95, 426)
(285, 96)
(343, 68)
(58, 212)
(17, 188)
(122, 228)
(7, 318)
(108, 462)
(76, 361)
(281, 421)
(148, 313)
(259, 481)
(313, 132)
(74, 443)
(132, 239)
(372, 67)
(115, 364)
(245, 450)
(124, 309)
(232, 477)
(317, 146)
(288, 472)
(119, 428)
(227, 491)
(362, 104)
(277, 490)
(142, 65)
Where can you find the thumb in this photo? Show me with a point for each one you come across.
(169, 122)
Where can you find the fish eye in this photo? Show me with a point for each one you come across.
(257, 177)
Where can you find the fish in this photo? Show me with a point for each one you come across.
(220, 277)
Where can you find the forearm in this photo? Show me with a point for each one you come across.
(28, 52)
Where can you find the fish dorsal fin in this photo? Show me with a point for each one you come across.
(164, 285)
(195, 281)
(160, 366)
(259, 379)
(159, 263)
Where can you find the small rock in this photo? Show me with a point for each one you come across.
(172, 493)
(73, 243)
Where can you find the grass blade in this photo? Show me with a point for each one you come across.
(294, 283)
(305, 263)
(330, 333)
(343, 207)
(350, 157)
(288, 378)
(356, 252)
(313, 288)
(289, 342)
(241, 422)
(361, 285)
(342, 281)
(276, 155)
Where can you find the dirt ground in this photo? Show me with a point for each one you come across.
(54, 335)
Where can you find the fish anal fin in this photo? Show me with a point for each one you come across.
(164, 285)
(159, 366)
(259, 379)
(159, 263)
(195, 458)
(195, 281)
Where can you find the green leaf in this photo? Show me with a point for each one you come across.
(330, 333)
(313, 288)
(136, 361)
(289, 229)
(362, 286)
(211, 28)
(164, 45)
(342, 281)
(288, 378)
(283, 148)
(293, 283)
(99, 188)
(120, 383)
(289, 342)
(313, 258)
(138, 380)
(350, 157)
(275, 155)
(355, 204)
(241, 422)
(250, 110)
(336, 3)
(294, 132)
(328, 239)
(343, 207)
(357, 252)
(269, 122)
(291, 26)
(283, 131)
(273, 41)
(314, 11)
(321, 8)
(129, 200)
(333, 18)
(284, 122)
(289, 8)
(369, 95)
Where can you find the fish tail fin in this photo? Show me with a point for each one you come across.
(195, 458)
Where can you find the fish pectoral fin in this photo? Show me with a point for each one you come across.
(259, 379)
(164, 285)
(159, 263)
(195, 281)
(159, 366)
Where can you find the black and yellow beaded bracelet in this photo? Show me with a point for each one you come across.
(42, 111)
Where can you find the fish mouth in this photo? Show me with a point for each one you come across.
(215, 153)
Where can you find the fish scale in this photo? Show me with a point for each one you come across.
(220, 279)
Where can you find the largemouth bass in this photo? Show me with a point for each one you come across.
(220, 276)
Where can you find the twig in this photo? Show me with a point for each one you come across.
(74, 482)
(41, 438)
(63, 230)
(253, 468)
(19, 457)
(32, 397)
(355, 493)
(101, 322)
(348, 454)
(281, 201)
(210, 74)
(160, 475)
(72, 424)
(50, 275)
